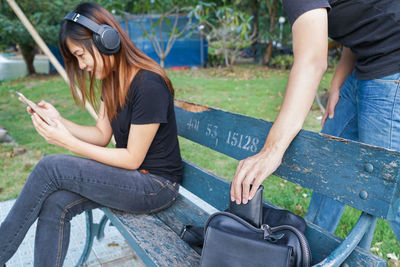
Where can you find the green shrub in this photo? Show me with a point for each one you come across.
(282, 62)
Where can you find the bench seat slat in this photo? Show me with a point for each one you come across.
(362, 176)
(183, 212)
(154, 242)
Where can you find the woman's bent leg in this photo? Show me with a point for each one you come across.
(112, 187)
(53, 227)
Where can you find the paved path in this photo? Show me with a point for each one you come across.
(111, 251)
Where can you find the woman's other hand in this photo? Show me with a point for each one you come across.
(48, 109)
(57, 134)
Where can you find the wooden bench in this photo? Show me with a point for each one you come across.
(361, 176)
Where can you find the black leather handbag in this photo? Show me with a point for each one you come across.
(230, 240)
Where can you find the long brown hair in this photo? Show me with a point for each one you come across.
(115, 85)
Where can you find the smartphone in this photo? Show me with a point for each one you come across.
(35, 108)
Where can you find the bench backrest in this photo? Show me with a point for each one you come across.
(359, 175)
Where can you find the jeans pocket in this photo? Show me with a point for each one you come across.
(164, 199)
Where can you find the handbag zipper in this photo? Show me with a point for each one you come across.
(269, 235)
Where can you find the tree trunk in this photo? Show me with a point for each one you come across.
(255, 6)
(268, 53)
(272, 23)
(28, 52)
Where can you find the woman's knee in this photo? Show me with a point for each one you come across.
(52, 167)
(62, 205)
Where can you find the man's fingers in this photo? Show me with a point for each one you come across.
(257, 182)
(330, 108)
(324, 118)
(238, 185)
(232, 189)
(237, 180)
(248, 182)
(239, 167)
(246, 190)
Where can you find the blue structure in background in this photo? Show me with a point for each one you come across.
(57, 53)
(188, 50)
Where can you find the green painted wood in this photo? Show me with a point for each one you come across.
(153, 241)
(323, 243)
(206, 185)
(184, 212)
(347, 246)
(359, 175)
(89, 238)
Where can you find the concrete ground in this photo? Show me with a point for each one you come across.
(111, 251)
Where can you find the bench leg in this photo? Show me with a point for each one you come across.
(339, 255)
(366, 241)
(101, 226)
(89, 238)
(92, 230)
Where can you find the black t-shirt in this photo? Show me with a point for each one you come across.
(150, 101)
(370, 28)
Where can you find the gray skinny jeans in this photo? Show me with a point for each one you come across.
(62, 186)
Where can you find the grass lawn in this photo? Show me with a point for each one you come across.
(251, 90)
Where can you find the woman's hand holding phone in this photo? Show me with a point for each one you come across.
(47, 122)
(33, 108)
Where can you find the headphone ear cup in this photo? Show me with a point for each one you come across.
(110, 43)
(97, 42)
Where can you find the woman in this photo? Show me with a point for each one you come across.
(364, 100)
(141, 175)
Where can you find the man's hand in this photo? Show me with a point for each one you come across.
(252, 172)
(330, 105)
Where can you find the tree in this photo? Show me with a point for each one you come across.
(272, 6)
(265, 16)
(228, 30)
(45, 16)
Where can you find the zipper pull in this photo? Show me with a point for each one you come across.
(268, 235)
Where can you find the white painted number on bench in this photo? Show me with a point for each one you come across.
(212, 130)
(244, 142)
(193, 125)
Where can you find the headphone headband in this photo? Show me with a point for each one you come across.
(84, 21)
(106, 38)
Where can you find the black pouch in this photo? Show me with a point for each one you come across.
(252, 211)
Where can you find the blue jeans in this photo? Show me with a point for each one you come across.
(368, 111)
(62, 186)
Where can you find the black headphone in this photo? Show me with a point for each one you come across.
(105, 37)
